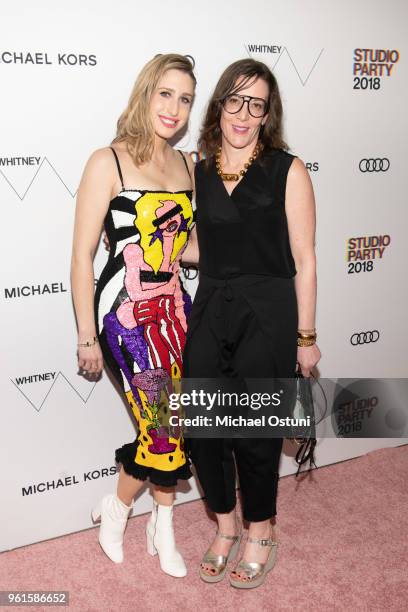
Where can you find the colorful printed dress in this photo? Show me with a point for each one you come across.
(141, 311)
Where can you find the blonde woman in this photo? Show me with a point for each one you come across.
(140, 191)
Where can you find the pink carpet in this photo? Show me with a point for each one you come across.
(343, 546)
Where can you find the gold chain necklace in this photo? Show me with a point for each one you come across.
(236, 177)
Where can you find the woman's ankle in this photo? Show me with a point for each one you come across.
(228, 524)
(261, 529)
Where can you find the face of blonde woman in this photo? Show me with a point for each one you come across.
(171, 102)
(241, 129)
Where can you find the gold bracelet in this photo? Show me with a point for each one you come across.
(307, 336)
(306, 342)
(88, 343)
(307, 331)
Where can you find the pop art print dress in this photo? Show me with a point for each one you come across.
(141, 311)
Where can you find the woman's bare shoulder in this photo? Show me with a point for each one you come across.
(298, 172)
(101, 158)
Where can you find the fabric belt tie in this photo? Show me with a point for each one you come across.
(225, 286)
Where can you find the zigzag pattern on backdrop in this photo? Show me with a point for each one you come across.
(285, 49)
(45, 159)
(38, 408)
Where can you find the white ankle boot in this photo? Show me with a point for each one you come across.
(114, 515)
(160, 539)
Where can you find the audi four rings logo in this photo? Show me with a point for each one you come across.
(365, 337)
(376, 164)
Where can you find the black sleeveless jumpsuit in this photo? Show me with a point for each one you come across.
(244, 319)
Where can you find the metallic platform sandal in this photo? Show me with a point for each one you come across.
(255, 573)
(219, 562)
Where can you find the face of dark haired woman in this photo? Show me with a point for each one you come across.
(241, 129)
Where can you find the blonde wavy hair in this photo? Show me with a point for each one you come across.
(134, 125)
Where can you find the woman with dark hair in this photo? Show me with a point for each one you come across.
(254, 312)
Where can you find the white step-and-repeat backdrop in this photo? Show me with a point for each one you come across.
(66, 70)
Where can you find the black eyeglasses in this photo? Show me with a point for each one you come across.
(257, 107)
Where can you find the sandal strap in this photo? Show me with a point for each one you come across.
(251, 568)
(228, 537)
(262, 541)
(217, 561)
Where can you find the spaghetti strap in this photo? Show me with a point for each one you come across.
(118, 166)
(186, 164)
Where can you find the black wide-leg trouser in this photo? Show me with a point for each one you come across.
(244, 327)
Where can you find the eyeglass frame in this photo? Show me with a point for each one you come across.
(248, 100)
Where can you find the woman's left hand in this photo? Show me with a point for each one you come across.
(308, 357)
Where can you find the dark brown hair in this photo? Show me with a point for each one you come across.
(246, 71)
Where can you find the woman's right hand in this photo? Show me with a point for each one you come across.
(90, 360)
